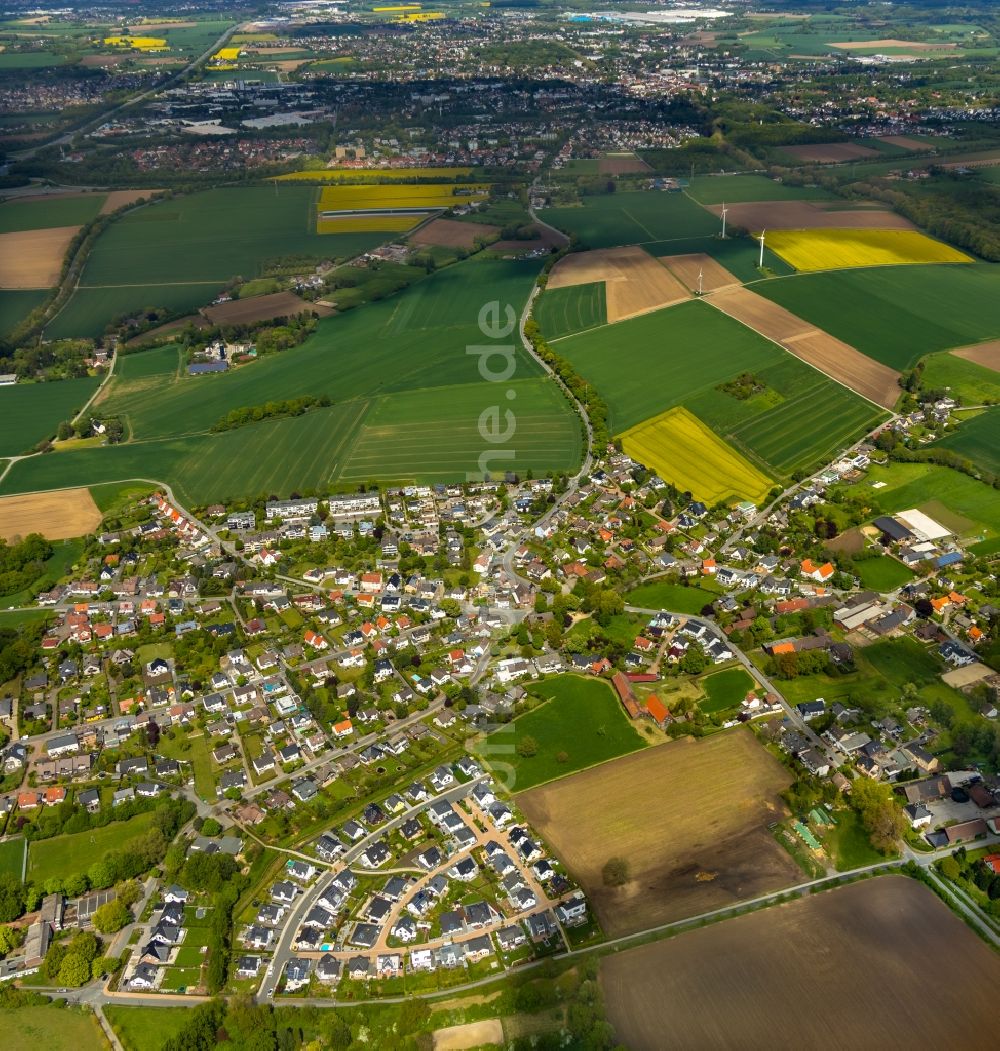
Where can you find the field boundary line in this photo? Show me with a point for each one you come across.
(785, 350)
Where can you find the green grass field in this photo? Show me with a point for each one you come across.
(16, 305)
(178, 253)
(882, 574)
(848, 843)
(41, 213)
(674, 597)
(633, 217)
(12, 856)
(898, 314)
(145, 1028)
(73, 854)
(737, 189)
(968, 507)
(51, 1026)
(680, 355)
(30, 412)
(970, 383)
(564, 311)
(725, 690)
(978, 439)
(581, 720)
(408, 400)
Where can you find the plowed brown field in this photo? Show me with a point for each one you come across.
(690, 817)
(808, 215)
(986, 354)
(260, 308)
(450, 233)
(838, 360)
(828, 153)
(830, 970)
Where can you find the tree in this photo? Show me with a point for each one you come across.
(11, 897)
(111, 917)
(881, 815)
(10, 938)
(616, 872)
(694, 661)
(527, 747)
(75, 970)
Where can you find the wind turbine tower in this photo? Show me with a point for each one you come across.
(724, 220)
(701, 274)
(760, 262)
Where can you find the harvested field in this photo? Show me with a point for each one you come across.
(904, 142)
(621, 164)
(56, 515)
(119, 198)
(832, 969)
(450, 233)
(872, 380)
(808, 215)
(260, 308)
(851, 542)
(985, 354)
(472, 1034)
(635, 282)
(33, 258)
(892, 44)
(828, 153)
(686, 269)
(90, 61)
(699, 842)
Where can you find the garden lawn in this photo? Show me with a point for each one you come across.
(725, 690)
(673, 597)
(30, 412)
(581, 720)
(848, 843)
(12, 856)
(72, 855)
(146, 1028)
(51, 1026)
(882, 574)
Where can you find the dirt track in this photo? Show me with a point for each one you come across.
(986, 354)
(690, 817)
(869, 378)
(635, 283)
(33, 258)
(57, 515)
(450, 233)
(808, 215)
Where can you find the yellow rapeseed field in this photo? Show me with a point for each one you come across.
(363, 175)
(139, 43)
(400, 195)
(364, 224)
(836, 249)
(685, 453)
(226, 54)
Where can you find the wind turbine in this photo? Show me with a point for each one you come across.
(724, 210)
(761, 262)
(701, 274)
